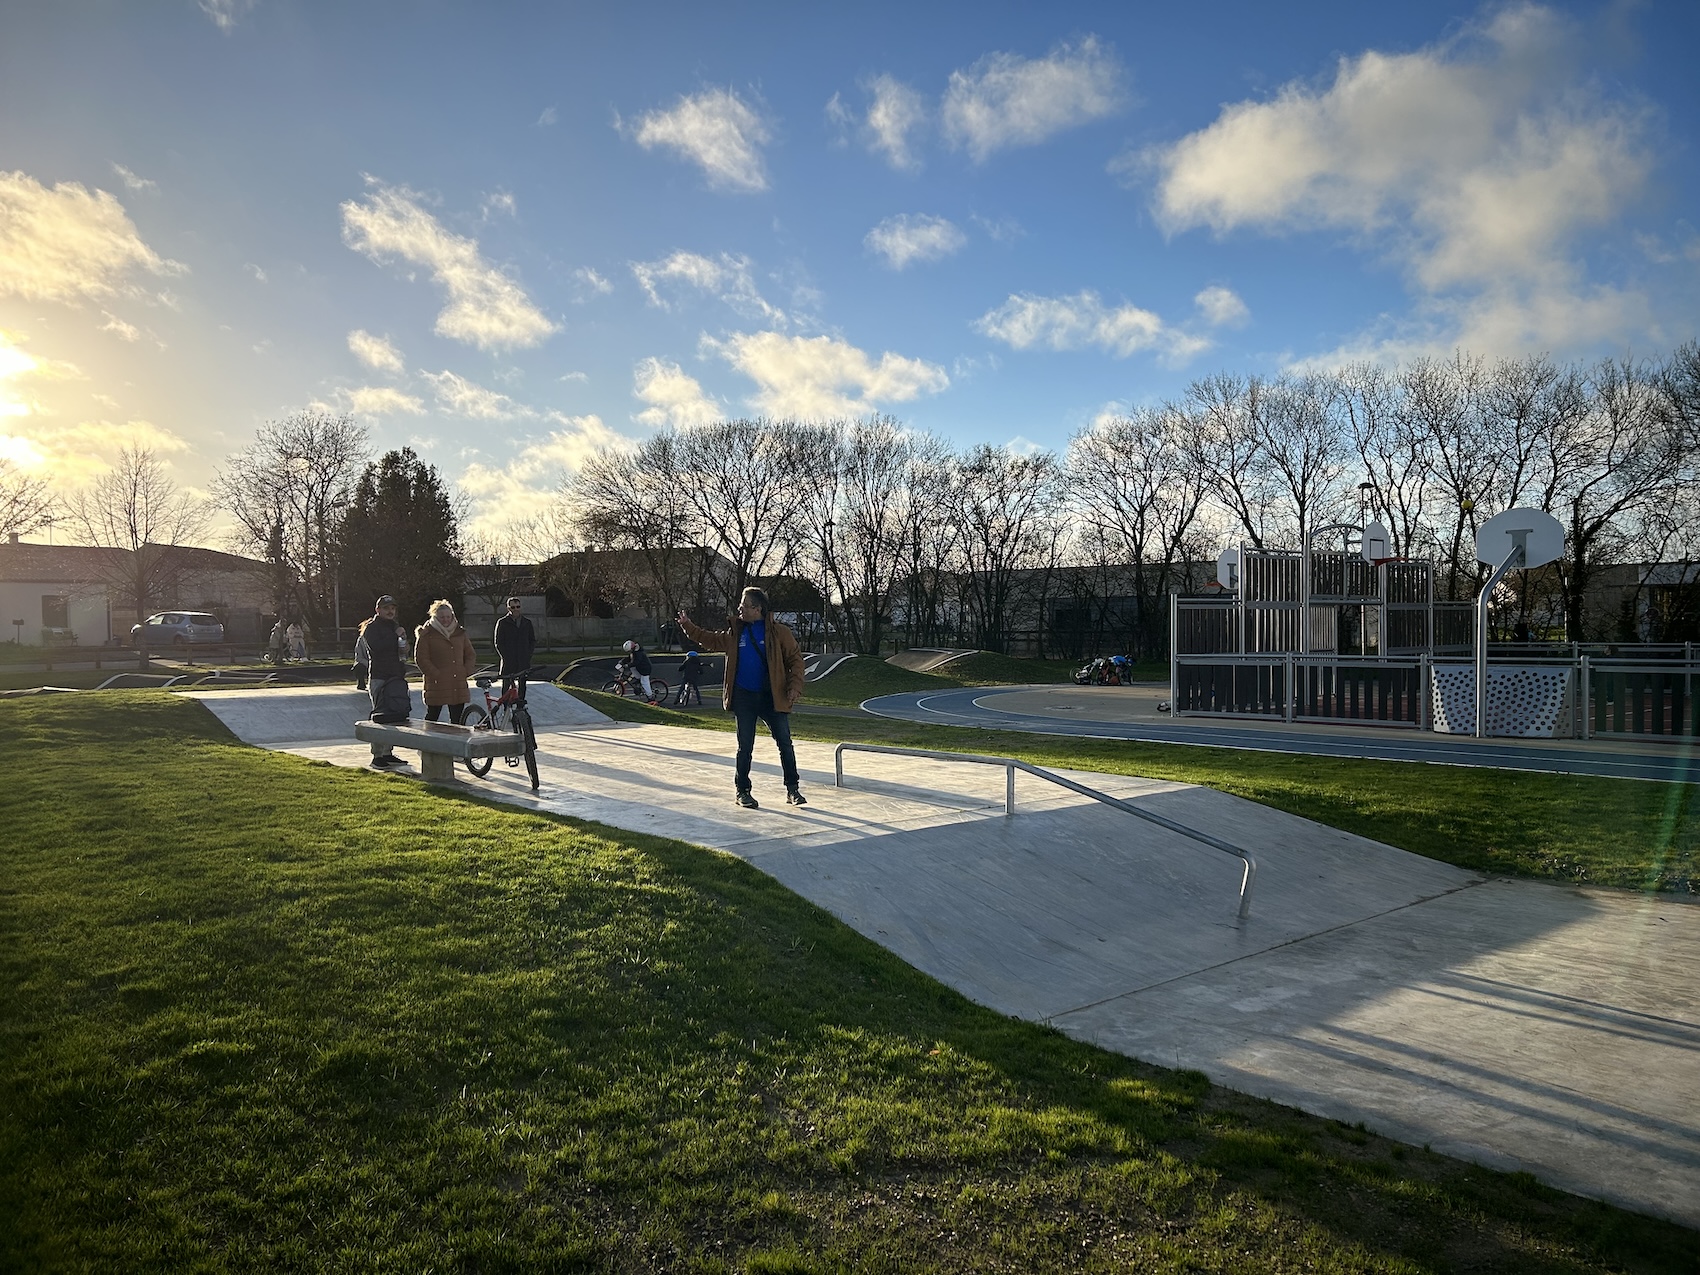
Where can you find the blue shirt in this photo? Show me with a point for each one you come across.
(752, 665)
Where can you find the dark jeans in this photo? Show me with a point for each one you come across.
(509, 681)
(749, 707)
(434, 712)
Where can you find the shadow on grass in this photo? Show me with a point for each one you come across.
(265, 1012)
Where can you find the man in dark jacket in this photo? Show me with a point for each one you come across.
(764, 680)
(516, 643)
(386, 644)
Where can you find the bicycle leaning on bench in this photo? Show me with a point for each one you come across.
(504, 714)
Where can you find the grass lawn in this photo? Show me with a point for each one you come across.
(264, 1013)
(1580, 828)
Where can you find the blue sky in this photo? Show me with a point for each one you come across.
(508, 234)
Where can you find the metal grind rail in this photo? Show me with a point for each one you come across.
(1010, 764)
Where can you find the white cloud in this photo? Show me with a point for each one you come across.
(528, 484)
(906, 239)
(67, 244)
(1221, 307)
(125, 331)
(895, 114)
(131, 181)
(821, 377)
(74, 454)
(225, 13)
(251, 268)
(674, 396)
(550, 116)
(376, 352)
(718, 131)
(1003, 229)
(461, 397)
(485, 307)
(500, 202)
(728, 278)
(1026, 322)
(1475, 164)
(1005, 100)
(382, 400)
(591, 283)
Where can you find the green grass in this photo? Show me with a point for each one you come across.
(1578, 828)
(262, 1013)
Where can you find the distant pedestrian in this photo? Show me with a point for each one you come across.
(386, 646)
(277, 646)
(297, 641)
(362, 662)
(516, 643)
(764, 681)
(444, 654)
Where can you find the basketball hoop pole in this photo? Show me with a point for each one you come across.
(1513, 560)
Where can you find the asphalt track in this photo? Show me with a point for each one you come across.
(1671, 762)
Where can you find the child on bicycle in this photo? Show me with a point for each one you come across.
(690, 675)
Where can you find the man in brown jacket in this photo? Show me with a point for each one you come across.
(764, 680)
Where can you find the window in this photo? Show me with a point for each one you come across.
(55, 611)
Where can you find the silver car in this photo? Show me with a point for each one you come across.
(177, 628)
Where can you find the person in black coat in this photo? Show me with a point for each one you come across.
(516, 643)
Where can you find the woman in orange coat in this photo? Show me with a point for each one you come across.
(445, 655)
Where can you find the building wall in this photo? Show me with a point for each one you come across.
(87, 612)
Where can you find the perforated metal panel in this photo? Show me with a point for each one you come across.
(1526, 701)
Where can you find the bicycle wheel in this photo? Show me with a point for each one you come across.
(660, 689)
(522, 723)
(479, 720)
(613, 688)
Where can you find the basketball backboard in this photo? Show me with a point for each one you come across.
(1541, 535)
(1375, 542)
(1228, 569)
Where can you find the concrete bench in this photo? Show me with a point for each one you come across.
(440, 744)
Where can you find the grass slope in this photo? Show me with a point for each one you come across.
(265, 1013)
(1577, 828)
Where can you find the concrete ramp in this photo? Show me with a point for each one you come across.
(277, 716)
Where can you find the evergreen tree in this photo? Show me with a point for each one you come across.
(400, 537)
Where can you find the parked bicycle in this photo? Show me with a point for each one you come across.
(503, 714)
(627, 682)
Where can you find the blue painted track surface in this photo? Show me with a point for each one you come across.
(1673, 761)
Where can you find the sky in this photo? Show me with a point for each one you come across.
(506, 235)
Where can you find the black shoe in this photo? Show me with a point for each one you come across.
(387, 760)
(794, 797)
(747, 800)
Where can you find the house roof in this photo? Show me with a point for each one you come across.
(55, 564)
(24, 563)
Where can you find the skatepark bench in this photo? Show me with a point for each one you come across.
(439, 744)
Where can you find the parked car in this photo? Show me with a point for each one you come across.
(178, 628)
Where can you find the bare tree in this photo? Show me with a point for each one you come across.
(930, 537)
(1226, 445)
(1008, 507)
(1136, 490)
(137, 513)
(639, 499)
(865, 540)
(288, 492)
(1394, 454)
(742, 479)
(25, 502)
(1611, 465)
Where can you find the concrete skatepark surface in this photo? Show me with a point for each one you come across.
(1517, 1024)
(1130, 712)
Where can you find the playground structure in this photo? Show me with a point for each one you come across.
(1356, 635)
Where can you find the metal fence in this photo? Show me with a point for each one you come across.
(1657, 698)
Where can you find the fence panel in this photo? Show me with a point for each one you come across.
(1386, 694)
(1241, 688)
(1642, 700)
